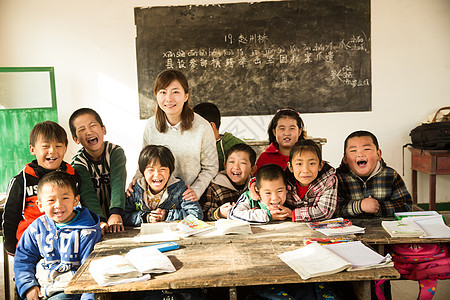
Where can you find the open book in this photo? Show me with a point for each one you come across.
(227, 226)
(135, 266)
(315, 260)
(193, 226)
(158, 232)
(338, 226)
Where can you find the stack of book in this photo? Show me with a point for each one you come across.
(423, 224)
(338, 226)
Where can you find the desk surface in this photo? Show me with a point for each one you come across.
(220, 261)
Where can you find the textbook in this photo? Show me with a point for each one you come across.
(192, 226)
(338, 226)
(402, 228)
(227, 226)
(314, 260)
(135, 266)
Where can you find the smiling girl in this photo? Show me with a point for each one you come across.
(312, 183)
(157, 196)
(285, 129)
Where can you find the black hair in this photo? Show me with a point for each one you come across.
(150, 153)
(79, 112)
(60, 179)
(269, 172)
(361, 133)
(244, 148)
(163, 80)
(48, 131)
(305, 145)
(208, 111)
(285, 113)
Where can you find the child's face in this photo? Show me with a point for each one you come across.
(361, 155)
(171, 99)
(305, 167)
(89, 133)
(156, 176)
(57, 202)
(239, 167)
(49, 154)
(287, 132)
(273, 193)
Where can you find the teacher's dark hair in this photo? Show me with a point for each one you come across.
(163, 80)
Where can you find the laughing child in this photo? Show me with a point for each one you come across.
(366, 185)
(313, 183)
(48, 142)
(158, 195)
(226, 188)
(102, 169)
(56, 244)
(271, 187)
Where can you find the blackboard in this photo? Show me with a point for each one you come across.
(253, 58)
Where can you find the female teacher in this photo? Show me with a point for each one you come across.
(186, 134)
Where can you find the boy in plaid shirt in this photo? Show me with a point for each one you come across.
(366, 185)
(228, 185)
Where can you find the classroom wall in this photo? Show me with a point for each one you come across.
(91, 45)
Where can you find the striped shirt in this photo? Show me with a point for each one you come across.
(102, 187)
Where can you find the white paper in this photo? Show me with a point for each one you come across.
(358, 254)
(353, 229)
(434, 227)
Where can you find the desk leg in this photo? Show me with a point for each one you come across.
(6, 274)
(233, 293)
(414, 186)
(432, 192)
(362, 289)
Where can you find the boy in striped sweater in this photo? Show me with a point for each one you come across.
(102, 168)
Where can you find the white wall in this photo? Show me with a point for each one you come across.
(91, 45)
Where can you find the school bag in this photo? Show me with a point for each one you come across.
(434, 135)
(425, 263)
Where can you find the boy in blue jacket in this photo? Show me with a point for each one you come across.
(56, 244)
(158, 196)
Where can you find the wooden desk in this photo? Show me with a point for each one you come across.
(432, 162)
(225, 261)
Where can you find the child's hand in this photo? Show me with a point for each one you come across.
(33, 293)
(252, 191)
(370, 205)
(224, 209)
(189, 194)
(157, 215)
(130, 188)
(281, 214)
(115, 223)
(104, 227)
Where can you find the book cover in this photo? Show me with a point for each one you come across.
(402, 228)
(193, 226)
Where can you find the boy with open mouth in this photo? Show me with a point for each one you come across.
(366, 185)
